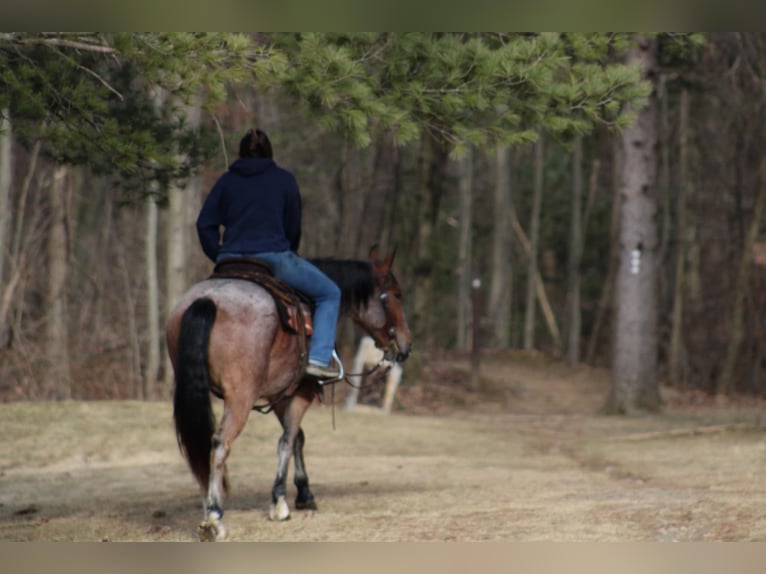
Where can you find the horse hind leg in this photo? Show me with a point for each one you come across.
(232, 423)
(212, 528)
(290, 414)
(304, 500)
(279, 509)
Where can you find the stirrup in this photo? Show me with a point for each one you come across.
(341, 371)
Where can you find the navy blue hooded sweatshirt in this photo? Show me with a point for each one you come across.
(258, 204)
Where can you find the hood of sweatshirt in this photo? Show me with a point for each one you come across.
(250, 166)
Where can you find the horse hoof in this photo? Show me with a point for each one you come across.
(210, 531)
(279, 510)
(305, 505)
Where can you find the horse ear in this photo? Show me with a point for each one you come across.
(389, 261)
(374, 254)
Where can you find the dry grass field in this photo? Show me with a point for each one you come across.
(527, 459)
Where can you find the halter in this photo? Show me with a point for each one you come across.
(389, 327)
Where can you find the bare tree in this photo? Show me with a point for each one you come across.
(6, 180)
(676, 339)
(57, 384)
(464, 269)
(573, 272)
(501, 282)
(534, 238)
(152, 298)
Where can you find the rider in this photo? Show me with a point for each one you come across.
(259, 206)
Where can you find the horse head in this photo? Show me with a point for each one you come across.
(384, 318)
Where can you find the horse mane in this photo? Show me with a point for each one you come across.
(354, 278)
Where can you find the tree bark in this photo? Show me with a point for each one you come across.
(676, 333)
(534, 233)
(58, 384)
(135, 377)
(6, 180)
(175, 257)
(420, 229)
(179, 233)
(464, 269)
(7, 282)
(663, 185)
(501, 282)
(573, 272)
(634, 371)
(151, 372)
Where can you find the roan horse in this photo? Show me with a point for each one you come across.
(225, 337)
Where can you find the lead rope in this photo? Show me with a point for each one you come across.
(362, 374)
(333, 407)
(343, 376)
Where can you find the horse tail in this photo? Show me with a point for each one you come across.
(192, 409)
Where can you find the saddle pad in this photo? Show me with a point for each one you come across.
(293, 306)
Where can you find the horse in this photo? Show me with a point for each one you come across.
(225, 337)
(369, 355)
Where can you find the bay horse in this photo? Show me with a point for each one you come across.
(225, 337)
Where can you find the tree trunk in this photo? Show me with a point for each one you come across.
(573, 273)
(151, 372)
(724, 383)
(135, 377)
(175, 258)
(58, 384)
(676, 339)
(663, 191)
(464, 270)
(534, 234)
(634, 371)
(420, 229)
(6, 180)
(501, 282)
(179, 233)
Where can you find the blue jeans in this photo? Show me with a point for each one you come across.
(303, 276)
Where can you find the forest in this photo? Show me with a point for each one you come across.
(597, 198)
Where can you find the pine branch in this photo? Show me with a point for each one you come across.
(55, 40)
(90, 73)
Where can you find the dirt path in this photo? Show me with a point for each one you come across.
(527, 460)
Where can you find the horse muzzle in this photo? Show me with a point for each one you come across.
(395, 353)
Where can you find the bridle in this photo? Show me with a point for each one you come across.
(388, 331)
(389, 328)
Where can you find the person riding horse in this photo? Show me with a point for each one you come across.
(258, 204)
(230, 337)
